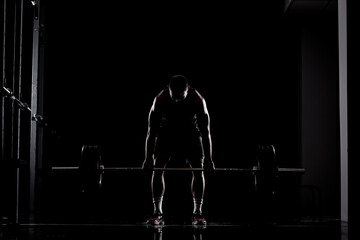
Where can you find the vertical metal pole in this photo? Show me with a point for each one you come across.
(343, 107)
(40, 105)
(13, 117)
(4, 43)
(3, 84)
(34, 105)
(2, 155)
(18, 133)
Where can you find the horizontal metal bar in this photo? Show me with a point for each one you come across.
(177, 169)
(65, 168)
(298, 170)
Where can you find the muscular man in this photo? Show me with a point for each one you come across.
(178, 130)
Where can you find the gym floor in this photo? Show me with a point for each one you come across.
(330, 230)
(64, 214)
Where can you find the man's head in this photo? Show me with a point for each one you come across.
(178, 87)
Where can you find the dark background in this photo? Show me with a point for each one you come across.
(105, 63)
(269, 76)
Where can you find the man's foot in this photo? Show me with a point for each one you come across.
(198, 219)
(156, 219)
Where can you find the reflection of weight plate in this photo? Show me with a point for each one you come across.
(91, 168)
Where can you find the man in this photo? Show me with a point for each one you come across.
(178, 130)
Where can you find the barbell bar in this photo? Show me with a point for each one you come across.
(91, 168)
(115, 169)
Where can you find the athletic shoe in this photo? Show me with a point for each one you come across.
(156, 219)
(198, 219)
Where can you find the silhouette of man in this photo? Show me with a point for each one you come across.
(178, 130)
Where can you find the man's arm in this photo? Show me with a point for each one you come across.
(153, 124)
(204, 127)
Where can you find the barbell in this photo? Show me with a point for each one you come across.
(115, 169)
(91, 168)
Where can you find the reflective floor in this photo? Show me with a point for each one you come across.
(66, 213)
(332, 230)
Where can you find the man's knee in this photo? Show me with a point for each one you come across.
(196, 162)
(160, 161)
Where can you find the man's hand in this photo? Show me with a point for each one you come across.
(209, 166)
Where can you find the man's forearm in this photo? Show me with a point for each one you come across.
(149, 145)
(207, 145)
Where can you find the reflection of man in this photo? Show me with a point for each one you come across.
(178, 130)
(197, 232)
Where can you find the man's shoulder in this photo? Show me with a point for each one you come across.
(197, 96)
(163, 94)
(162, 98)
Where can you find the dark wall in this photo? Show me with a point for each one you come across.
(320, 111)
(104, 65)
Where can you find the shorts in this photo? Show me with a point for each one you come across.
(188, 149)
